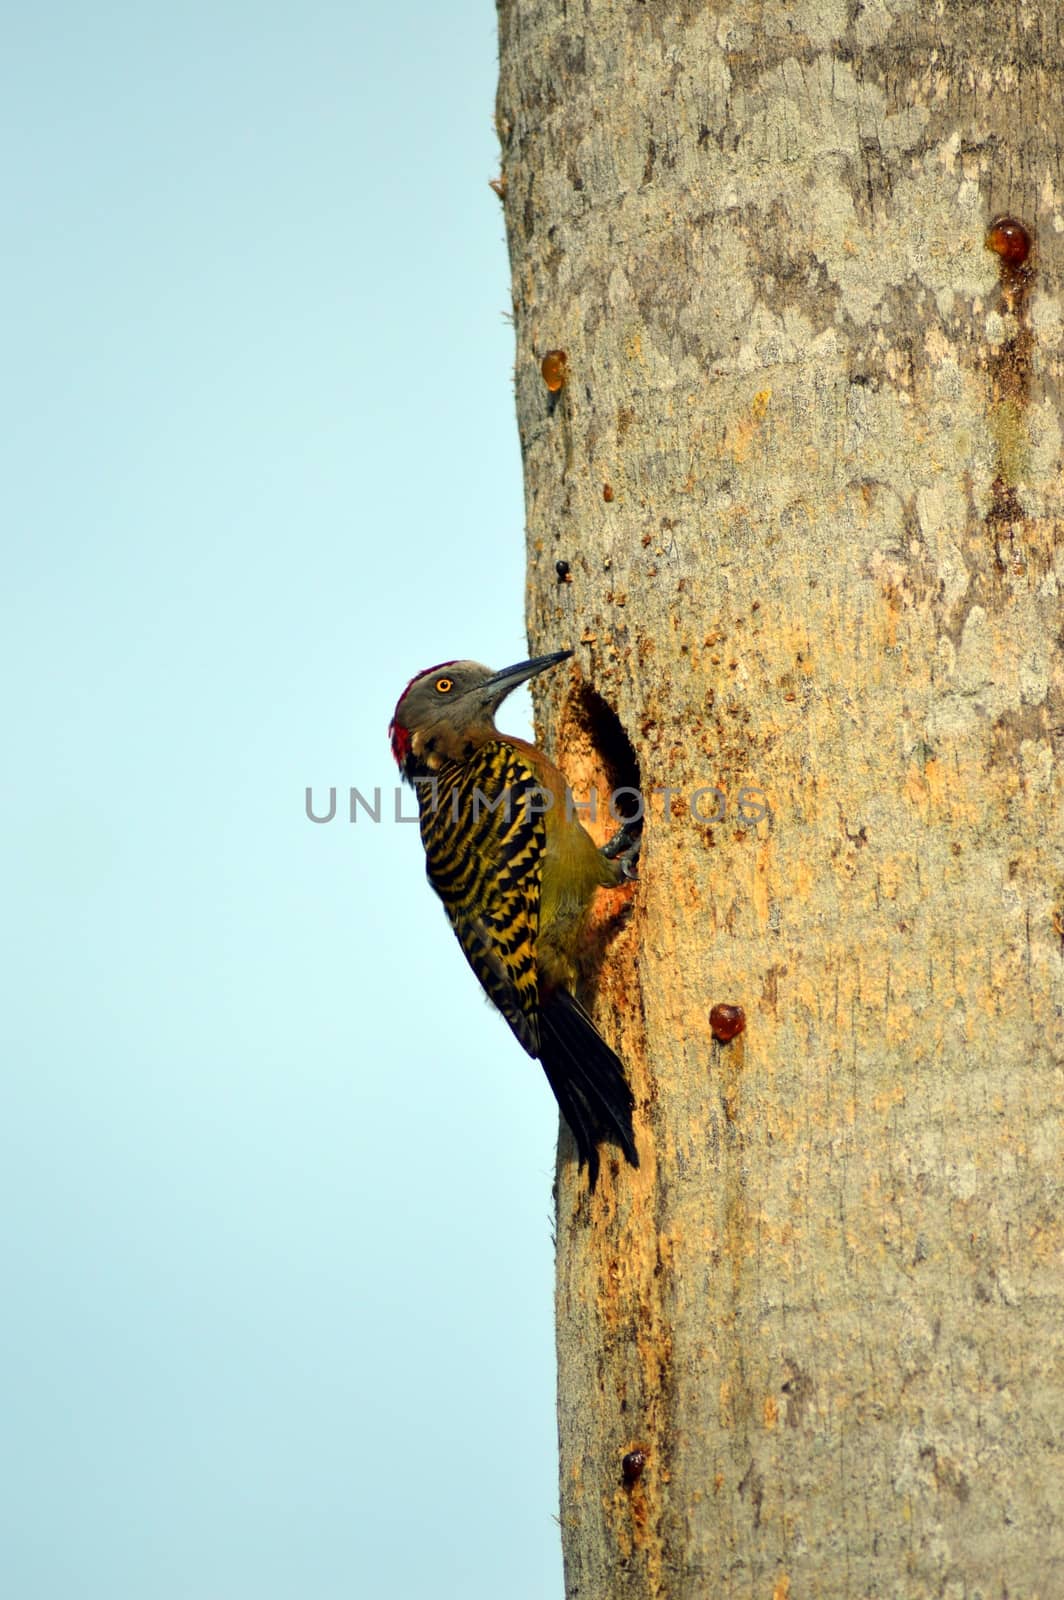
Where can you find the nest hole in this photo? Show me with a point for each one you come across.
(615, 752)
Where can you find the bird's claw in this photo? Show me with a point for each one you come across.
(624, 849)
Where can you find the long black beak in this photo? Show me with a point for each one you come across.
(499, 685)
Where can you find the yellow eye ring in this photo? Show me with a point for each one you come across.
(444, 685)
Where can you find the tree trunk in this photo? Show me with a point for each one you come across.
(804, 470)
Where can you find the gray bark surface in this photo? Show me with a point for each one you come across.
(805, 471)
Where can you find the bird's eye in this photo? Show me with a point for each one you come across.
(444, 685)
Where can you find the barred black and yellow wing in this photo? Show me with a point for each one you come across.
(484, 835)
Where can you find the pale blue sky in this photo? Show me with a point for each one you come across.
(274, 1181)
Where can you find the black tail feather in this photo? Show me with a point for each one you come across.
(588, 1080)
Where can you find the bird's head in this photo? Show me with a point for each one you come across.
(448, 712)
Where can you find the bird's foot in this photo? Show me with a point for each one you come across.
(624, 849)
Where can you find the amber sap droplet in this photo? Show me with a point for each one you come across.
(727, 1022)
(553, 369)
(607, 493)
(1010, 240)
(632, 1467)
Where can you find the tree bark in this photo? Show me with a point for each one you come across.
(805, 473)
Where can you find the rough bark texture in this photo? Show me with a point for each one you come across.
(805, 471)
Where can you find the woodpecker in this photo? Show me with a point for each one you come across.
(517, 873)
